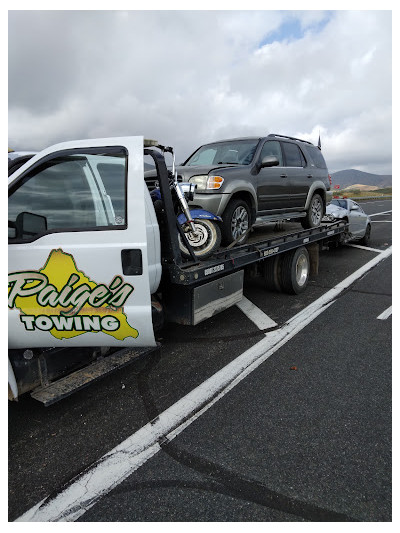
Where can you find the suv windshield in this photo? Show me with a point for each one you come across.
(232, 152)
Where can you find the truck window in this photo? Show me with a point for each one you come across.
(113, 177)
(63, 194)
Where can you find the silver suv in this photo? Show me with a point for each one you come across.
(254, 179)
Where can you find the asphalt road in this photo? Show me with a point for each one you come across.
(306, 436)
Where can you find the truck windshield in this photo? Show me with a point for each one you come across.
(239, 152)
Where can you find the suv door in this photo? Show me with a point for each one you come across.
(299, 178)
(78, 273)
(273, 192)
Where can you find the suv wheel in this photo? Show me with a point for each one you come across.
(314, 214)
(236, 222)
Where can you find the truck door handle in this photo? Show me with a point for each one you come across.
(283, 176)
(309, 176)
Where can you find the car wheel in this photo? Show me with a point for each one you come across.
(367, 235)
(236, 222)
(314, 213)
(295, 270)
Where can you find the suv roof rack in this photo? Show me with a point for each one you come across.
(287, 137)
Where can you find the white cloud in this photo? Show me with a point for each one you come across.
(189, 77)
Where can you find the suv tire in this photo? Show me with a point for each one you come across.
(315, 212)
(236, 220)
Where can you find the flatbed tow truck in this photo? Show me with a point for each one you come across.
(94, 271)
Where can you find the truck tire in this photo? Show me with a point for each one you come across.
(295, 270)
(271, 273)
(236, 220)
(315, 212)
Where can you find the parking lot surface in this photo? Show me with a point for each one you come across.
(304, 436)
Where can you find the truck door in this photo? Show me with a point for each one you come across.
(78, 272)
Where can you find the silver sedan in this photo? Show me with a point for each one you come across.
(359, 221)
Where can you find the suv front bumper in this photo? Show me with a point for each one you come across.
(215, 203)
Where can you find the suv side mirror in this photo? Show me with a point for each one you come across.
(269, 161)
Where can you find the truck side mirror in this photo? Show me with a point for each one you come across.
(30, 224)
(269, 161)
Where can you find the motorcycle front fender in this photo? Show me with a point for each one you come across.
(199, 213)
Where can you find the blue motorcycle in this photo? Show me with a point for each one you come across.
(201, 228)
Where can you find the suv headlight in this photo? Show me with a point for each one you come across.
(204, 182)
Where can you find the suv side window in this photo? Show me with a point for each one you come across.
(272, 148)
(66, 193)
(316, 156)
(293, 155)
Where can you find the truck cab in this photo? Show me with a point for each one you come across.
(84, 248)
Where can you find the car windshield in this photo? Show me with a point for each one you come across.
(229, 152)
(340, 203)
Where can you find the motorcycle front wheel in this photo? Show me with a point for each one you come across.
(205, 241)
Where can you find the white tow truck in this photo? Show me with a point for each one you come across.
(94, 270)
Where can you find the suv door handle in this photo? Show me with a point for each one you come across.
(309, 175)
(283, 175)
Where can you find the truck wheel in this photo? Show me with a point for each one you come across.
(314, 214)
(295, 270)
(367, 236)
(235, 222)
(271, 273)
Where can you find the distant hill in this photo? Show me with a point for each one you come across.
(347, 178)
(361, 187)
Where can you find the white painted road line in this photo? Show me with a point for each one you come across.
(96, 481)
(382, 213)
(254, 313)
(377, 250)
(386, 314)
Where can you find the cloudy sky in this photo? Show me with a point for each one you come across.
(192, 77)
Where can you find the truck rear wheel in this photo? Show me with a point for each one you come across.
(271, 273)
(295, 270)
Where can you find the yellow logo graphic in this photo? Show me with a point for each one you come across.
(61, 299)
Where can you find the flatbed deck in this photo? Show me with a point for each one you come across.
(264, 242)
